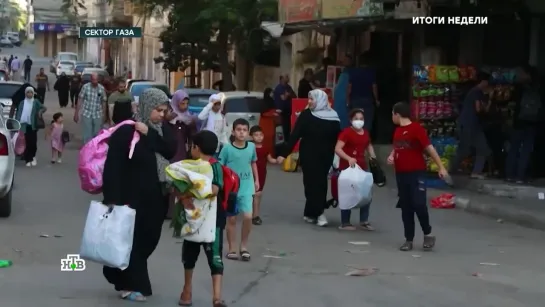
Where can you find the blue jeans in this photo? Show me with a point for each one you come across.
(90, 127)
(520, 152)
(364, 215)
(469, 138)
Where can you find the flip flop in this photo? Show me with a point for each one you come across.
(134, 297)
(231, 256)
(245, 255)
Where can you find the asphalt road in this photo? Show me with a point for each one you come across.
(477, 261)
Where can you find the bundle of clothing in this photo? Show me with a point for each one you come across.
(193, 179)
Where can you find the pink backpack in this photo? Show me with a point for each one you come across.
(93, 156)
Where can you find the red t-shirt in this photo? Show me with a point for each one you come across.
(409, 144)
(355, 146)
(261, 163)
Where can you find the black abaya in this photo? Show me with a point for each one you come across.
(135, 182)
(316, 151)
(62, 86)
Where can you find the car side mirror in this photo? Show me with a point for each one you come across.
(13, 124)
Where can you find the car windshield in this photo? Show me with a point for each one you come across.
(66, 63)
(68, 57)
(137, 89)
(87, 77)
(8, 89)
(199, 101)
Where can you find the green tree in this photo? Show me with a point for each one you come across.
(206, 30)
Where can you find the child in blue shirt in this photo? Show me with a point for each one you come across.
(241, 157)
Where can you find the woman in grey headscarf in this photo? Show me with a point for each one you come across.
(140, 182)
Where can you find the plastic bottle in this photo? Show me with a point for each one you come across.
(5, 263)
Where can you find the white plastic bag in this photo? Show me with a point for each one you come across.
(355, 188)
(108, 235)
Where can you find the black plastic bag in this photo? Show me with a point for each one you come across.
(378, 175)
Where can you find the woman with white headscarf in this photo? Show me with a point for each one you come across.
(140, 182)
(29, 113)
(317, 127)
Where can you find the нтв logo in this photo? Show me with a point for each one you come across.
(73, 263)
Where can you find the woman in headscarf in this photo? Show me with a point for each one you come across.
(140, 182)
(340, 98)
(318, 128)
(28, 112)
(184, 126)
(62, 86)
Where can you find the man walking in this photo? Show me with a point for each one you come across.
(42, 83)
(9, 62)
(92, 105)
(27, 67)
(283, 93)
(15, 68)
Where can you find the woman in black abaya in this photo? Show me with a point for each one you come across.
(140, 183)
(62, 86)
(317, 127)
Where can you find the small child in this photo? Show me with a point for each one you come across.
(204, 147)
(351, 146)
(55, 133)
(263, 156)
(241, 157)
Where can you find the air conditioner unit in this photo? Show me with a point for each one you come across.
(127, 8)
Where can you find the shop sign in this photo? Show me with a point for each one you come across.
(333, 9)
(52, 27)
(291, 11)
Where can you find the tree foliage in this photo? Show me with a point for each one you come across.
(206, 30)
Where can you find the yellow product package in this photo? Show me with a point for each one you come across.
(291, 163)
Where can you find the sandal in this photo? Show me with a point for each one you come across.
(257, 221)
(348, 227)
(219, 303)
(245, 255)
(184, 303)
(429, 243)
(367, 226)
(133, 297)
(407, 246)
(231, 256)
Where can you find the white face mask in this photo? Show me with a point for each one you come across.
(358, 123)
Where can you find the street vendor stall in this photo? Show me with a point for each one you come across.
(437, 95)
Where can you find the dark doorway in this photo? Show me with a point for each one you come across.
(385, 51)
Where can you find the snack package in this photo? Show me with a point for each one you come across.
(422, 108)
(453, 75)
(442, 74)
(432, 73)
(431, 109)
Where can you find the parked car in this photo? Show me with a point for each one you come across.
(7, 163)
(80, 66)
(15, 40)
(61, 56)
(4, 75)
(5, 42)
(247, 105)
(198, 98)
(88, 71)
(7, 89)
(66, 67)
(137, 87)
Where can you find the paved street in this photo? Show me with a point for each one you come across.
(313, 264)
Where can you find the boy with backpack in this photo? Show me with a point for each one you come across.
(240, 156)
(204, 147)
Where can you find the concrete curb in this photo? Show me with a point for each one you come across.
(511, 214)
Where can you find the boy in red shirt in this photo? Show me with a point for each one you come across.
(351, 146)
(263, 156)
(410, 141)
